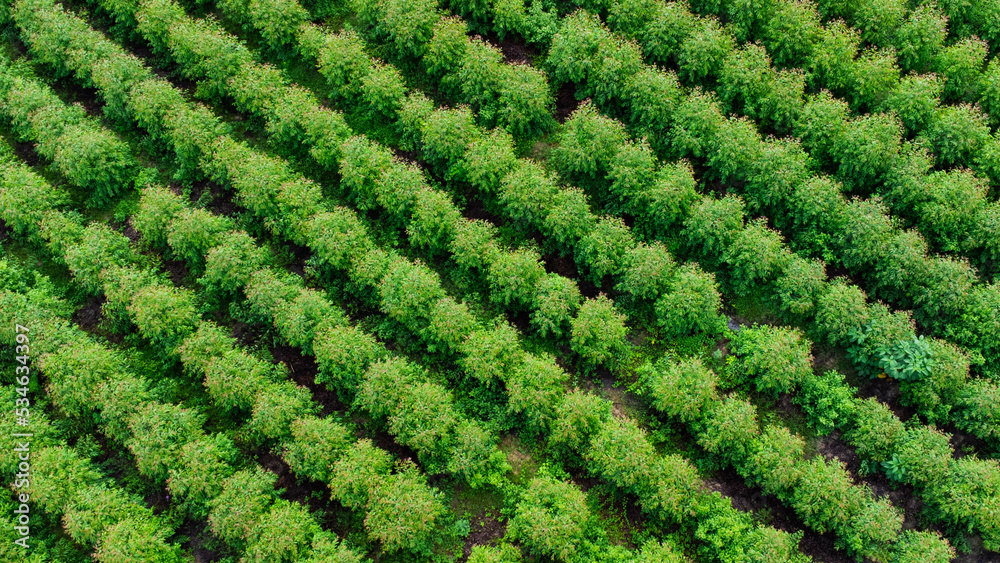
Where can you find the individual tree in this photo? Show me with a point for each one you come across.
(434, 220)
(491, 354)
(383, 89)
(409, 25)
(568, 219)
(684, 389)
(799, 286)
(647, 271)
(578, 418)
(690, 304)
(514, 276)
(550, 519)
(602, 250)
(409, 291)
(729, 429)
(958, 133)
(556, 300)
(831, 62)
(159, 431)
(920, 38)
(474, 245)
(137, 539)
(587, 144)
(962, 66)
(338, 237)
(622, 453)
(230, 265)
(166, 315)
(536, 388)
(276, 407)
(701, 55)
(757, 255)
(284, 533)
(246, 496)
(828, 401)
(342, 60)
(599, 333)
(315, 446)
(776, 464)
(404, 512)
(916, 100)
(791, 32)
(359, 473)
(775, 359)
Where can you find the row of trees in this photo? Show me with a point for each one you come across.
(96, 386)
(803, 202)
(751, 259)
(831, 55)
(250, 395)
(373, 178)
(452, 143)
(377, 266)
(82, 151)
(821, 492)
(241, 383)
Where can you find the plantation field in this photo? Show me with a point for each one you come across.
(494, 281)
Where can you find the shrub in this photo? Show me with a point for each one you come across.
(775, 465)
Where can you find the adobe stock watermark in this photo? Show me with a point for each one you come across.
(22, 442)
